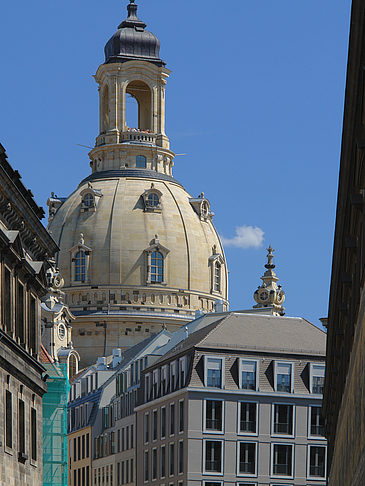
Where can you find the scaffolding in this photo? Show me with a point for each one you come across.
(55, 471)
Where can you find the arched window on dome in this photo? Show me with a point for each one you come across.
(88, 200)
(217, 276)
(141, 93)
(157, 275)
(216, 271)
(80, 266)
(156, 262)
(141, 162)
(80, 262)
(153, 200)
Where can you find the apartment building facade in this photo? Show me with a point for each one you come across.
(236, 402)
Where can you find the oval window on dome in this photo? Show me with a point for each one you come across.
(61, 331)
(141, 162)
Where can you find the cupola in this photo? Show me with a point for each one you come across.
(270, 294)
(132, 42)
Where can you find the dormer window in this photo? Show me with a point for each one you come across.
(152, 200)
(201, 206)
(141, 162)
(80, 259)
(216, 262)
(157, 275)
(90, 198)
(156, 262)
(80, 266)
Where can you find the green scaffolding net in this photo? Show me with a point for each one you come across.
(55, 472)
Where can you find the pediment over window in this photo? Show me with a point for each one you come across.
(80, 262)
(156, 262)
(201, 206)
(156, 246)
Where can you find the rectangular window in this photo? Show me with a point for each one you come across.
(172, 376)
(19, 314)
(282, 460)
(78, 448)
(127, 438)
(181, 416)
(154, 425)
(163, 462)
(75, 477)
(163, 422)
(214, 372)
(247, 458)
(316, 424)
(87, 445)
(317, 378)
(214, 415)
(118, 473)
(33, 433)
(164, 380)
(146, 471)
(248, 418)
(83, 446)
(132, 470)
(213, 456)
(317, 462)
(146, 428)
(21, 427)
(248, 374)
(127, 472)
(123, 445)
(88, 476)
(283, 419)
(7, 301)
(154, 464)
(181, 457)
(172, 459)
(172, 419)
(118, 440)
(123, 466)
(9, 419)
(132, 436)
(74, 449)
(32, 334)
(283, 379)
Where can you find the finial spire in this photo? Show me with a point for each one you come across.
(269, 294)
(132, 20)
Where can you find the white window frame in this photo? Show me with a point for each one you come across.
(173, 372)
(213, 473)
(208, 431)
(246, 475)
(160, 461)
(178, 425)
(178, 457)
(155, 381)
(244, 483)
(172, 405)
(164, 374)
(222, 359)
(249, 434)
(273, 434)
(214, 481)
(310, 436)
(169, 460)
(257, 374)
(272, 460)
(156, 478)
(312, 375)
(278, 362)
(154, 411)
(182, 367)
(316, 478)
(147, 414)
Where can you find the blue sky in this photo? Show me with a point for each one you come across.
(255, 100)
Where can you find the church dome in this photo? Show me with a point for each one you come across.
(121, 220)
(132, 41)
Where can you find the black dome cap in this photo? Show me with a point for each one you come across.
(132, 42)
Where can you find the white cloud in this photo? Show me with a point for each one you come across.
(246, 237)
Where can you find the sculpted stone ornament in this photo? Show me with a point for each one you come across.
(269, 294)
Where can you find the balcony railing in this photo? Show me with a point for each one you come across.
(247, 467)
(282, 428)
(214, 424)
(213, 466)
(136, 135)
(317, 471)
(248, 426)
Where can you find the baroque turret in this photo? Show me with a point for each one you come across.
(269, 293)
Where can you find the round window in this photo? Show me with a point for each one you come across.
(61, 331)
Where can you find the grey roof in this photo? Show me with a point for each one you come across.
(249, 332)
(133, 42)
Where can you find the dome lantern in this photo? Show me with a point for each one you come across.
(132, 42)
